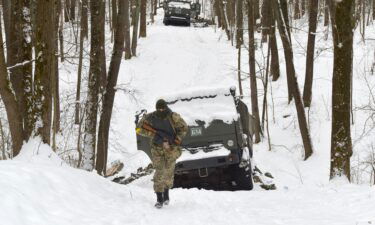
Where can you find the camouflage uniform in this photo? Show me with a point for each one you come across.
(164, 160)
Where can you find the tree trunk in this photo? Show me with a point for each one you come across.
(275, 65)
(239, 40)
(105, 118)
(114, 15)
(135, 19)
(155, 9)
(341, 142)
(297, 13)
(2, 136)
(61, 38)
(96, 72)
(11, 106)
(19, 55)
(239, 23)
(288, 52)
(326, 13)
(6, 17)
(373, 17)
(143, 25)
(313, 17)
(285, 15)
(266, 20)
(66, 10)
(44, 67)
(256, 11)
(283, 6)
(56, 62)
(218, 13)
(303, 7)
(253, 81)
(72, 10)
(224, 19)
(79, 78)
(128, 53)
(84, 18)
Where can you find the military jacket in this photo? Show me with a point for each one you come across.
(178, 125)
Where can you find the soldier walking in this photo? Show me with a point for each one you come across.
(166, 130)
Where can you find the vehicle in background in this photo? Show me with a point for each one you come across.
(177, 12)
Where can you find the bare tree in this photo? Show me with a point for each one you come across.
(44, 67)
(288, 52)
(109, 96)
(128, 53)
(326, 13)
(341, 142)
(72, 9)
(313, 17)
(97, 41)
(6, 16)
(143, 22)
(135, 22)
(253, 81)
(239, 39)
(84, 18)
(10, 102)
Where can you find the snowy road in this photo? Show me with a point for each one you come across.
(38, 190)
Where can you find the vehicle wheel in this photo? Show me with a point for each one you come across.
(243, 177)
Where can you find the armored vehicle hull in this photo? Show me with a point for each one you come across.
(177, 12)
(217, 151)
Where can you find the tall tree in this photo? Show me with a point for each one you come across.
(6, 15)
(84, 18)
(239, 39)
(268, 29)
(253, 81)
(96, 51)
(128, 53)
(326, 13)
(19, 53)
(341, 142)
(109, 96)
(288, 53)
(143, 22)
(72, 9)
(135, 22)
(297, 12)
(44, 67)
(10, 102)
(313, 17)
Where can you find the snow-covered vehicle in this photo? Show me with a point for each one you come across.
(176, 11)
(217, 151)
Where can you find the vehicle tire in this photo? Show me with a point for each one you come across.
(243, 177)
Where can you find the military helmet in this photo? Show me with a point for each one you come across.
(161, 104)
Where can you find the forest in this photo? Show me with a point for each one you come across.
(74, 74)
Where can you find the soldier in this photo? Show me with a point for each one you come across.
(166, 130)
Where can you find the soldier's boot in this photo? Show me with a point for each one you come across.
(166, 196)
(159, 201)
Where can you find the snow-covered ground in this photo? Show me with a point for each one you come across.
(37, 188)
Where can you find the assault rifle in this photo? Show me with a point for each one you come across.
(161, 133)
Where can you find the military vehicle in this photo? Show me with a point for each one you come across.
(176, 11)
(217, 151)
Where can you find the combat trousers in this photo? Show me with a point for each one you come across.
(164, 162)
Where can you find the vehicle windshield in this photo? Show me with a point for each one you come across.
(183, 5)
